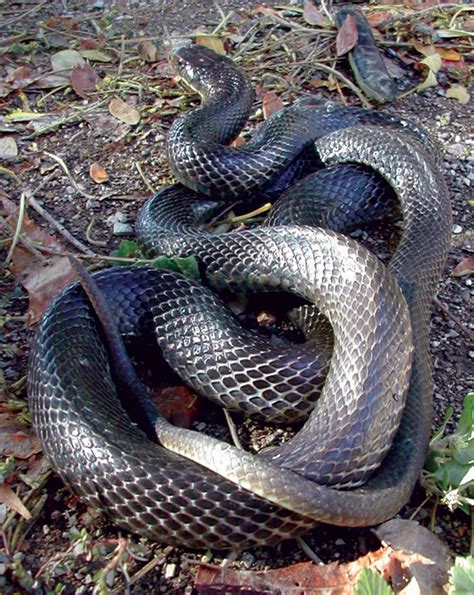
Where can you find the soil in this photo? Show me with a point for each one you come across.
(67, 547)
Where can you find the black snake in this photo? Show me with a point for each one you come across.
(357, 457)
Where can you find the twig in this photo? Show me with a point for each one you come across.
(19, 223)
(122, 56)
(147, 183)
(308, 551)
(144, 570)
(325, 10)
(232, 429)
(66, 120)
(21, 16)
(89, 237)
(59, 228)
(69, 175)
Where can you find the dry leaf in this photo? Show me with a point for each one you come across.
(96, 55)
(465, 267)
(65, 60)
(271, 103)
(423, 556)
(238, 142)
(312, 15)
(17, 439)
(420, 567)
(213, 42)
(265, 10)
(347, 35)
(458, 92)
(10, 499)
(98, 173)
(178, 405)
(148, 51)
(124, 111)
(44, 277)
(378, 18)
(425, 50)
(430, 81)
(449, 54)
(83, 78)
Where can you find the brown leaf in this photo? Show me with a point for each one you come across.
(148, 51)
(238, 142)
(42, 277)
(98, 173)
(124, 111)
(10, 499)
(213, 42)
(465, 267)
(312, 15)
(17, 439)
(422, 555)
(421, 565)
(347, 35)
(271, 103)
(375, 19)
(178, 405)
(449, 54)
(265, 10)
(306, 577)
(83, 78)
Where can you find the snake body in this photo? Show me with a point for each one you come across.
(369, 429)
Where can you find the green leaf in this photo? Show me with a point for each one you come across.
(188, 265)
(466, 420)
(126, 249)
(461, 576)
(440, 431)
(371, 583)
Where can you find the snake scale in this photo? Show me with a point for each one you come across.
(356, 458)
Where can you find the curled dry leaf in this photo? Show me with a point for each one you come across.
(42, 277)
(83, 78)
(312, 15)
(124, 111)
(271, 103)
(11, 500)
(148, 51)
(98, 173)
(465, 267)
(347, 35)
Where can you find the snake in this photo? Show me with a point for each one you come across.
(363, 438)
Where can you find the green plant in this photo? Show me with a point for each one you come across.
(449, 468)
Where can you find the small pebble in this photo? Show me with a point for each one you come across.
(170, 570)
(457, 228)
(122, 229)
(340, 541)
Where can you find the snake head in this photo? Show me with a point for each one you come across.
(199, 66)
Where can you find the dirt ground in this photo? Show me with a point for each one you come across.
(67, 547)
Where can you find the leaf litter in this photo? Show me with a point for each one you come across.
(289, 51)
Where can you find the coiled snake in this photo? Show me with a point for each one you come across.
(357, 457)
